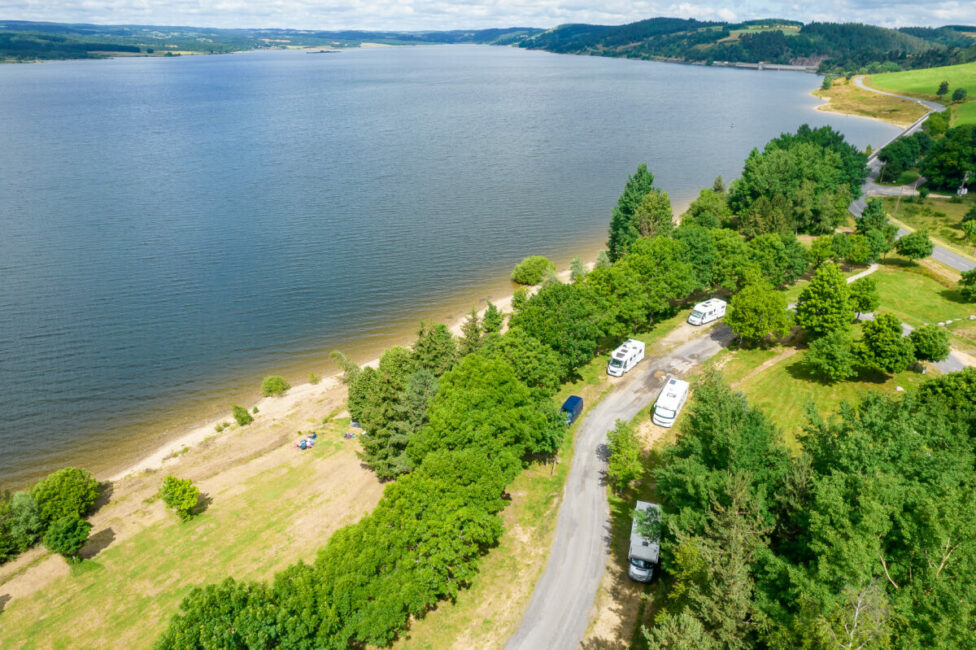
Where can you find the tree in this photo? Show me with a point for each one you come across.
(827, 82)
(408, 419)
(274, 385)
(26, 524)
(915, 245)
(781, 258)
(710, 209)
(959, 94)
(860, 252)
(242, 415)
(821, 250)
(181, 495)
(66, 536)
(603, 260)
(68, 491)
(681, 631)
(535, 363)
(349, 369)
(883, 348)
(653, 216)
(943, 89)
(873, 217)
(699, 251)
(824, 304)
(830, 357)
(576, 269)
(532, 270)
(758, 312)
(864, 295)
(382, 443)
(946, 163)
(493, 320)
(931, 343)
(623, 230)
(967, 285)
(624, 462)
(471, 331)
(969, 231)
(882, 241)
(435, 348)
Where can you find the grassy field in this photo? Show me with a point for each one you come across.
(941, 217)
(845, 97)
(925, 83)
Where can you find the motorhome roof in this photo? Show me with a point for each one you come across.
(640, 546)
(708, 304)
(626, 348)
(672, 394)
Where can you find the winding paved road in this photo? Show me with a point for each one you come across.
(560, 606)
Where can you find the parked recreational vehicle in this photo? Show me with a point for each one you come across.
(572, 407)
(644, 551)
(706, 312)
(670, 401)
(625, 357)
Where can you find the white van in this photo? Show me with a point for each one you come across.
(625, 357)
(706, 312)
(669, 402)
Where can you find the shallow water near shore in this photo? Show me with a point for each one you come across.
(172, 230)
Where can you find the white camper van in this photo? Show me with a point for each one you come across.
(625, 357)
(644, 551)
(706, 312)
(669, 402)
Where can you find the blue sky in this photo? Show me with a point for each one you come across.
(452, 14)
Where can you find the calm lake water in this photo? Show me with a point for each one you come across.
(171, 230)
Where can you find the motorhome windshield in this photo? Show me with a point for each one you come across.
(696, 314)
(616, 363)
(640, 564)
(666, 413)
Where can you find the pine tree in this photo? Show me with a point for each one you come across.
(471, 329)
(576, 269)
(623, 231)
(493, 320)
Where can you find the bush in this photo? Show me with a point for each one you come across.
(274, 385)
(242, 416)
(68, 491)
(532, 270)
(181, 495)
(931, 343)
(967, 285)
(67, 535)
(313, 378)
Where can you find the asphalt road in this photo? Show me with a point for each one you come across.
(560, 605)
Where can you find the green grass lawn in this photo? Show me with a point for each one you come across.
(925, 83)
(918, 299)
(941, 217)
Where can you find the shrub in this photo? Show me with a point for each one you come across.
(313, 378)
(181, 495)
(68, 491)
(532, 270)
(67, 535)
(254, 410)
(274, 385)
(242, 416)
(931, 343)
(967, 285)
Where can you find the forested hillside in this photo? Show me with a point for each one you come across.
(831, 46)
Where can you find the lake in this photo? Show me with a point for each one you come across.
(174, 229)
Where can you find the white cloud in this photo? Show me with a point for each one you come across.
(444, 14)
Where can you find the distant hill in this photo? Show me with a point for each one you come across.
(29, 41)
(831, 46)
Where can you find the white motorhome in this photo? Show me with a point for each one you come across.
(645, 551)
(669, 402)
(706, 312)
(625, 357)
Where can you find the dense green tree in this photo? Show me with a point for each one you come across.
(233, 615)
(409, 418)
(381, 441)
(624, 460)
(535, 363)
(873, 217)
(360, 400)
(967, 285)
(946, 164)
(603, 260)
(709, 210)
(943, 89)
(68, 491)
(883, 348)
(781, 258)
(860, 252)
(27, 524)
(658, 265)
(681, 631)
(734, 265)
(969, 231)
(830, 356)
(532, 270)
(758, 312)
(824, 304)
(821, 250)
(471, 332)
(566, 318)
(882, 241)
(841, 244)
(765, 216)
(181, 495)
(66, 536)
(492, 320)
(931, 343)
(435, 348)
(864, 295)
(958, 94)
(699, 251)
(623, 230)
(653, 216)
(915, 245)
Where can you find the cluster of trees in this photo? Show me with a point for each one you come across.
(802, 182)
(903, 154)
(51, 511)
(837, 47)
(865, 538)
(942, 154)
